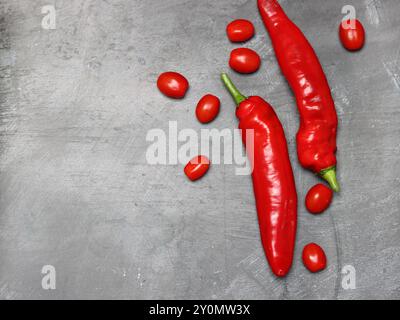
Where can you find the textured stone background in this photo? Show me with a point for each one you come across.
(76, 191)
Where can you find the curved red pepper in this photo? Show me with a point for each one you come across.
(316, 138)
(273, 182)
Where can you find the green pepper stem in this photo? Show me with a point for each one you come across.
(330, 176)
(235, 93)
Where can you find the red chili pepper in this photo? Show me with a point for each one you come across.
(244, 60)
(314, 257)
(318, 198)
(197, 167)
(316, 138)
(273, 182)
(352, 38)
(240, 30)
(173, 84)
(207, 108)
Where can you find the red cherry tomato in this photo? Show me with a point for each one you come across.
(173, 84)
(207, 108)
(314, 257)
(244, 60)
(197, 167)
(240, 30)
(318, 198)
(352, 39)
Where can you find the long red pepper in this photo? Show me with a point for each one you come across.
(273, 182)
(316, 138)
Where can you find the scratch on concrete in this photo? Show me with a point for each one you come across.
(393, 70)
(374, 11)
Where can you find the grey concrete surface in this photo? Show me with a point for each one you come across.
(77, 193)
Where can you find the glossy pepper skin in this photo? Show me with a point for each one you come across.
(240, 30)
(197, 167)
(316, 138)
(352, 38)
(244, 60)
(314, 257)
(173, 84)
(273, 182)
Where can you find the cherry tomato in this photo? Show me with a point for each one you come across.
(197, 167)
(244, 60)
(352, 39)
(240, 30)
(318, 198)
(207, 108)
(314, 257)
(172, 84)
